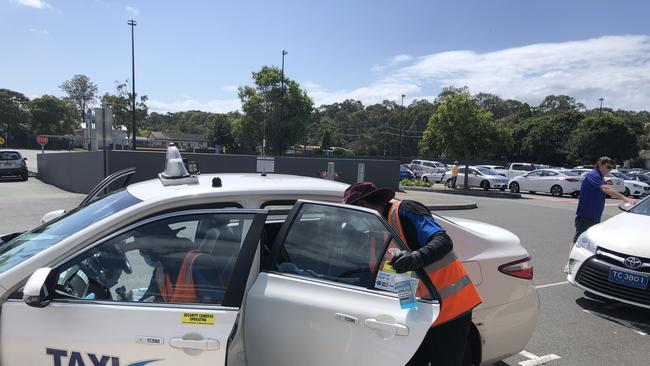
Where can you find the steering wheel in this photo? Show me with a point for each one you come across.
(126, 265)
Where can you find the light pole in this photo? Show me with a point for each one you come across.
(401, 120)
(282, 70)
(600, 110)
(132, 23)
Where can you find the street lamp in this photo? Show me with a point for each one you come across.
(132, 23)
(601, 107)
(401, 120)
(283, 54)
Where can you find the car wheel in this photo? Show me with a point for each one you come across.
(24, 178)
(514, 187)
(556, 191)
(485, 185)
(627, 192)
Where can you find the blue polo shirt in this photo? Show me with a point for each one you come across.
(592, 198)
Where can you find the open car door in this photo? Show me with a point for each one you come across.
(327, 295)
(103, 187)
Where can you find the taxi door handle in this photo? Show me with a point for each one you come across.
(392, 328)
(202, 345)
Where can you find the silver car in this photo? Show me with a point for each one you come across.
(480, 177)
(12, 164)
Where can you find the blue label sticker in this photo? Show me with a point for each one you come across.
(405, 292)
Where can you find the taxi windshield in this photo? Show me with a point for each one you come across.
(33, 242)
(487, 171)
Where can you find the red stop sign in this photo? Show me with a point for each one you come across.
(42, 140)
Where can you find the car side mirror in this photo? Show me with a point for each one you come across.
(39, 288)
(624, 206)
(52, 215)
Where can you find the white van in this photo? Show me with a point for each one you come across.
(429, 165)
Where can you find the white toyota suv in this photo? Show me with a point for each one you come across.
(239, 269)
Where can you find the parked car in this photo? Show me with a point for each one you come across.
(405, 172)
(516, 169)
(438, 175)
(493, 167)
(639, 177)
(278, 264)
(480, 178)
(633, 187)
(554, 181)
(418, 170)
(12, 164)
(429, 165)
(617, 183)
(612, 259)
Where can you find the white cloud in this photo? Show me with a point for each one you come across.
(217, 105)
(394, 61)
(230, 88)
(616, 68)
(132, 10)
(43, 32)
(38, 4)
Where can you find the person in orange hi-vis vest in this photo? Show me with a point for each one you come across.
(431, 250)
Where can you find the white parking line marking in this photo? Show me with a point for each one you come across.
(631, 325)
(535, 360)
(552, 284)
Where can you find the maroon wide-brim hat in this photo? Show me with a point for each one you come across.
(366, 190)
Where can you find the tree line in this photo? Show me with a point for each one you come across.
(275, 109)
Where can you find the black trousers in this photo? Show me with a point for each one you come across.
(582, 224)
(444, 344)
(453, 181)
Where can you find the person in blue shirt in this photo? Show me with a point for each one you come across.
(592, 196)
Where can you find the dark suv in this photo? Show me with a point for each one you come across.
(13, 164)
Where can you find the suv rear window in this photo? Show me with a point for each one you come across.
(9, 156)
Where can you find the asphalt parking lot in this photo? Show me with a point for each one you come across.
(572, 329)
(571, 326)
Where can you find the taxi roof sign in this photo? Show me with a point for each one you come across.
(175, 172)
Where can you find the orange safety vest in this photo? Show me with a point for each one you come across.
(184, 290)
(457, 292)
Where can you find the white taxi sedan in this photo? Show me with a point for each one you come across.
(240, 269)
(612, 259)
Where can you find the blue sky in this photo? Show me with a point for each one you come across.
(193, 54)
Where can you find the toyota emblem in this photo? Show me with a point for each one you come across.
(632, 262)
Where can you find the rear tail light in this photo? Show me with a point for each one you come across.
(23, 163)
(572, 180)
(522, 268)
(609, 182)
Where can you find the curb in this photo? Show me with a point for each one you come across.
(462, 192)
(466, 206)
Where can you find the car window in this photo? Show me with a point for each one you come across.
(341, 245)
(9, 156)
(570, 173)
(641, 208)
(418, 162)
(32, 242)
(550, 173)
(183, 259)
(487, 171)
(426, 163)
(533, 174)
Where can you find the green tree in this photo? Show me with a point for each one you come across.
(595, 137)
(459, 129)
(220, 130)
(277, 108)
(80, 91)
(554, 103)
(122, 106)
(14, 117)
(53, 116)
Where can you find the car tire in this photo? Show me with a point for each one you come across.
(627, 192)
(24, 178)
(557, 191)
(485, 185)
(514, 187)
